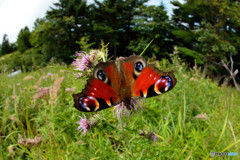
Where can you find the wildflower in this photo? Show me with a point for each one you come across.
(49, 74)
(82, 62)
(92, 54)
(153, 136)
(165, 118)
(121, 108)
(86, 124)
(43, 77)
(150, 135)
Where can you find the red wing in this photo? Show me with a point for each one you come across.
(98, 94)
(152, 82)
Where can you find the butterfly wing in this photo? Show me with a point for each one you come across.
(99, 93)
(146, 80)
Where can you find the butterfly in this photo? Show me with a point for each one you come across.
(127, 78)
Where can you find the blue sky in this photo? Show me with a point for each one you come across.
(16, 14)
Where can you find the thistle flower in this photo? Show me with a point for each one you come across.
(86, 124)
(150, 135)
(121, 109)
(82, 62)
(153, 137)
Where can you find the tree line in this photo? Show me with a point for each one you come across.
(203, 31)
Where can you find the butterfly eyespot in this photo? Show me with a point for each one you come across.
(163, 84)
(101, 75)
(138, 66)
(88, 103)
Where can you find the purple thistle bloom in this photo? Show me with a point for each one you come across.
(84, 124)
(82, 63)
(121, 109)
(153, 137)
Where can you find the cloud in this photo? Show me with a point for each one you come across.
(16, 14)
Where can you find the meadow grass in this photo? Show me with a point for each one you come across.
(190, 121)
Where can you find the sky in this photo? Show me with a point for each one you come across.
(16, 14)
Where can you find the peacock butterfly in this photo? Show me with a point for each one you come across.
(118, 81)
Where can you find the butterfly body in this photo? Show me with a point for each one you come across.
(119, 81)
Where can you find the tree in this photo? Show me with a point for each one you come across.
(6, 47)
(113, 22)
(208, 29)
(152, 22)
(51, 39)
(23, 40)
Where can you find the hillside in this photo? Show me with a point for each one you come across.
(38, 120)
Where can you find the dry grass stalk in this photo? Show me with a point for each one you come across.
(70, 90)
(42, 92)
(201, 116)
(14, 97)
(13, 118)
(27, 78)
(53, 76)
(230, 124)
(10, 150)
(56, 88)
(38, 83)
(29, 142)
(7, 104)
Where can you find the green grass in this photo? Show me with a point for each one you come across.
(170, 116)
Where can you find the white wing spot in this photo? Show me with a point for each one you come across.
(93, 94)
(95, 89)
(150, 75)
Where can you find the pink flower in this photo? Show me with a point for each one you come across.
(84, 125)
(82, 62)
(149, 135)
(121, 108)
(153, 136)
